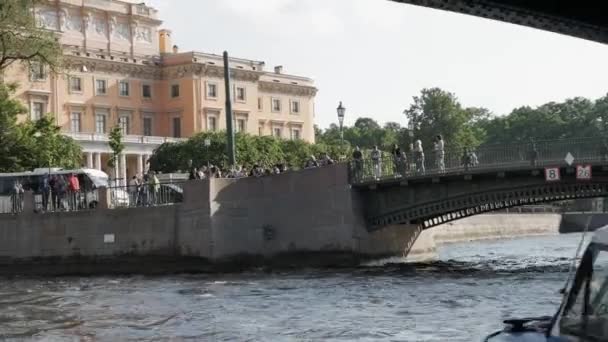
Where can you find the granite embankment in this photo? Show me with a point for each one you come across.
(308, 218)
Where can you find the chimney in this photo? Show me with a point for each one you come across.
(164, 41)
(278, 69)
(175, 49)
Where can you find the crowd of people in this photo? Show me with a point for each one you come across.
(143, 191)
(59, 192)
(416, 163)
(256, 170)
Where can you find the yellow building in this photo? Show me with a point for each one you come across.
(123, 70)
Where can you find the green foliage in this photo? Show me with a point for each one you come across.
(31, 144)
(573, 118)
(116, 144)
(22, 39)
(250, 150)
(436, 112)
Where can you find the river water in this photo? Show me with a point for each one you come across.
(462, 297)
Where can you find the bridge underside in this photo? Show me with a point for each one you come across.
(434, 201)
(582, 19)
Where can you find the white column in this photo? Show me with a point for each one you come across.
(140, 164)
(98, 161)
(89, 160)
(123, 168)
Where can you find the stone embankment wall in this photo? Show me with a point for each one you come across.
(312, 217)
(496, 226)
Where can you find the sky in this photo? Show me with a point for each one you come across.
(375, 55)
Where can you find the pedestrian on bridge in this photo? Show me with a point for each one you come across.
(376, 156)
(439, 153)
(533, 154)
(357, 162)
(396, 153)
(419, 156)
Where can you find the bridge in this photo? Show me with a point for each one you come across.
(478, 181)
(582, 19)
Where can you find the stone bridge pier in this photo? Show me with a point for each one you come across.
(313, 213)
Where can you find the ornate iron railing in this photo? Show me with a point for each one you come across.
(486, 158)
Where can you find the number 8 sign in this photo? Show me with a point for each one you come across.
(583, 172)
(552, 174)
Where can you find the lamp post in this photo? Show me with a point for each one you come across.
(410, 131)
(207, 143)
(341, 110)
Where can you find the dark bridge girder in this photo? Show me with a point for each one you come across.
(434, 201)
(583, 19)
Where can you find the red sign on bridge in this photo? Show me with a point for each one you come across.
(583, 172)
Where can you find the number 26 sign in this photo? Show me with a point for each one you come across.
(552, 174)
(583, 172)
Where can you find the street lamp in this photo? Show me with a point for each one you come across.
(410, 131)
(341, 110)
(207, 143)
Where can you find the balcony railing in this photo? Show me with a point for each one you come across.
(135, 139)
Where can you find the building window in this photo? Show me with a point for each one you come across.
(75, 121)
(147, 126)
(261, 130)
(212, 124)
(277, 132)
(276, 105)
(241, 125)
(75, 84)
(177, 127)
(295, 134)
(259, 103)
(174, 90)
(37, 110)
(295, 107)
(100, 123)
(123, 88)
(101, 87)
(241, 94)
(146, 91)
(123, 123)
(37, 72)
(211, 90)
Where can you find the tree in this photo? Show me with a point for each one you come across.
(117, 147)
(9, 135)
(22, 39)
(44, 146)
(437, 111)
(32, 144)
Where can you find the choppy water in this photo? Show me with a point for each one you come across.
(460, 298)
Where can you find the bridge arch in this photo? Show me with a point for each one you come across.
(450, 208)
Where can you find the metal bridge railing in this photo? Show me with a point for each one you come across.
(145, 195)
(487, 158)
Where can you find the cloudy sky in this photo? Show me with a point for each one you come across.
(375, 55)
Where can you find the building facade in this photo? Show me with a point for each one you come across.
(123, 70)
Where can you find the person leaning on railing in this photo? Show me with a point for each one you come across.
(439, 153)
(396, 154)
(17, 197)
(469, 159)
(357, 162)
